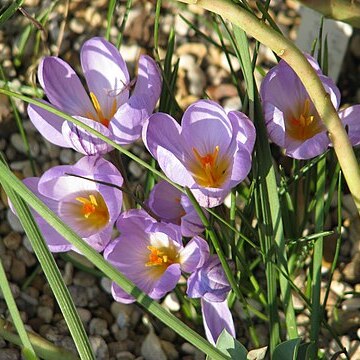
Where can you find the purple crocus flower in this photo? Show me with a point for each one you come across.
(89, 208)
(172, 206)
(210, 153)
(209, 283)
(290, 116)
(108, 107)
(152, 255)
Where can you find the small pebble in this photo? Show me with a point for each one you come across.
(14, 222)
(151, 348)
(12, 241)
(98, 327)
(45, 313)
(99, 347)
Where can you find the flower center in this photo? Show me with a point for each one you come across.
(305, 126)
(164, 256)
(102, 118)
(209, 170)
(94, 210)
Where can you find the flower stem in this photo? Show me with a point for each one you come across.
(285, 49)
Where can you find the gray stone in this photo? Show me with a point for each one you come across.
(98, 326)
(151, 348)
(99, 347)
(46, 313)
(14, 222)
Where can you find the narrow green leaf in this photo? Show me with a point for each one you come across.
(10, 11)
(15, 315)
(110, 14)
(123, 23)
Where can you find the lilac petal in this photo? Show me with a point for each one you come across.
(194, 255)
(54, 240)
(308, 149)
(241, 166)
(162, 130)
(167, 282)
(121, 295)
(216, 318)
(170, 230)
(164, 201)
(350, 117)
(106, 73)
(275, 123)
(134, 222)
(191, 225)
(84, 142)
(56, 185)
(49, 125)
(205, 125)
(161, 136)
(148, 82)
(209, 197)
(100, 240)
(282, 88)
(244, 129)
(128, 121)
(63, 87)
(331, 89)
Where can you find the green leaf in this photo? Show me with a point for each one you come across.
(287, 350)
(230, 347)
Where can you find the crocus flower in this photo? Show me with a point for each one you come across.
(210, 152)
(172, 206)
(107, 108)
(209, 283)
(152, 255)
(291, 119)
(89, 208)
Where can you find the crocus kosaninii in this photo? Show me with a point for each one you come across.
(210, 152)
(89, 208)
(172, 206)
(209, 283)
(290, 116)
(107, 106)
(151, 254)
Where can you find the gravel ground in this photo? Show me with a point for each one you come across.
(120, 331)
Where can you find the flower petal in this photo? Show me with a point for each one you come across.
(49, 125)
(209, 197)
(216, 318)
(309, 148)
(105, 72)
(351, 118)
(194, 255)
(55, 241)
(63, 87)
(161, 135)
(164, 201)
(128, 121)
(84, 142)
(148, 82)
(244, 129)
(167, 282)
(205, 125)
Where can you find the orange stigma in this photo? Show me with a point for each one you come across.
(162, 257)
(105, 120)
(305, 126)
(208, 170)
